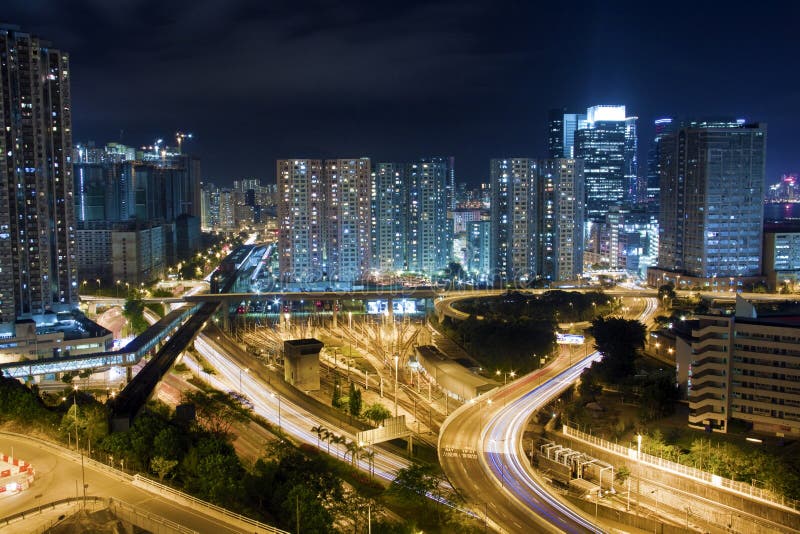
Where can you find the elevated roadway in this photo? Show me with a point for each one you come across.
(59, 475)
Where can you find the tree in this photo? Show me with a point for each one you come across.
(217, 411)
(622, 474)
(162, 466)
(354, 401)
(666, 292)
(134, 313)
(588, 388)
(319, 430)
(414, 482)
(618, 340)
(376, 413)
(659, 394)
(336, 398)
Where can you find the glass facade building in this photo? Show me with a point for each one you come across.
(711, 177)
(607, 143)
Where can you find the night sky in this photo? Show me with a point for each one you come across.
(256, 81)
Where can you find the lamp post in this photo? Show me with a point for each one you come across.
(274, 395)
(246, 370)
(512, 374)
(396, 359)
(98, 285)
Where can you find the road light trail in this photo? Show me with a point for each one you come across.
(294, 420)
(500, 476)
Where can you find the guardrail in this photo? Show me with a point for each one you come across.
(193, 502)
(685, 470)
(154, 487)
(5, 521)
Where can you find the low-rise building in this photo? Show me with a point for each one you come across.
(742, 367)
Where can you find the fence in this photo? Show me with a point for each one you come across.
(684, 470)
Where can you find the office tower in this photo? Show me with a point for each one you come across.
(560, 215)
(712, 190)
(561, 128)
(301, 212)
(513, 205)
(428, 236)
(37, 220)
(389, 222)
(662, 126)
(347, 185)
(606, 141)
(555, 133)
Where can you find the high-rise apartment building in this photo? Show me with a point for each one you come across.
(347, 190)
(560, 215)
(712, 190)
(606, 141)
(389, 217)
(429, 237)
(301, 213)
(37, 211)
(514, 217)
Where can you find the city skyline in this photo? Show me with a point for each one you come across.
(146, 85)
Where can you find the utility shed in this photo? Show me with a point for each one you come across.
(301, 363)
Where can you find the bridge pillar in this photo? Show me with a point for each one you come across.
(335, 315)
(92, 308)
(128, 374)
(410, 446)
(390, 309)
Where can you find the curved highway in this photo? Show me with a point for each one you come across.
(480, 449)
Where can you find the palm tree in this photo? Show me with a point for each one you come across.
(320, 430)
(370, 457)
(328, 436)
(339, 440)
(353, 448)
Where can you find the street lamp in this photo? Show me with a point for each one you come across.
(274, 395)
(98, 285)
(246, 370)
(396, 359)
(512, 374)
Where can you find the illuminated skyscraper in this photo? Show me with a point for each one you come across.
(652, 195)
(606, 141)
(37, 219)
(513, 219)
(389, 217)
(712, 189)
(561, 128)
(560, 215)
(428, 238)
(348, 218)
(301, 212)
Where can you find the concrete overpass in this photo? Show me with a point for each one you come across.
(146, 342)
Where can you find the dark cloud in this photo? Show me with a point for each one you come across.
(257, 80)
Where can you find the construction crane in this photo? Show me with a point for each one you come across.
(180, 136)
